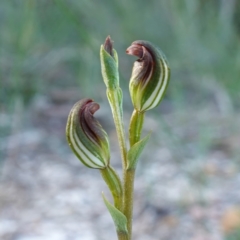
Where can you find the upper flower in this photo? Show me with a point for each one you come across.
(85, 135)
(109, 64)
(150, 75)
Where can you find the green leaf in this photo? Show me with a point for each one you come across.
(135, 151)
(118, 217)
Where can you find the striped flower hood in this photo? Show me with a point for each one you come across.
(85, 135)
(150, 75)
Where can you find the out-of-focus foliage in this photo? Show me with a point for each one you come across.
(233, 236)
(56, 44)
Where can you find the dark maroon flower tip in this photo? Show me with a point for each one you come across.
(145, 60)
(89, 124)
(108, 45)
(135, 50)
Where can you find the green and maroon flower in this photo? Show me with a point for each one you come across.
(150, 75)
(85, 135)
(109, 64)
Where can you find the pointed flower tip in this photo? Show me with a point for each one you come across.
(108, 45)
(135, 50)
(109, 64)
(85, 135)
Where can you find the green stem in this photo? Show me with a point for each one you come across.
(135, 130)
(128, 191)
(114, 97)
(122, 236)
(115, 100)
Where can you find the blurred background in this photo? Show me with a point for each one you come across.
(187, 184)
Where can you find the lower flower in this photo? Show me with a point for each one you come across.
(85, 135)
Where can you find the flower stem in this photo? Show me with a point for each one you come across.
(128, 191)
(114, 97)
(135, 130)
(122, 236)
